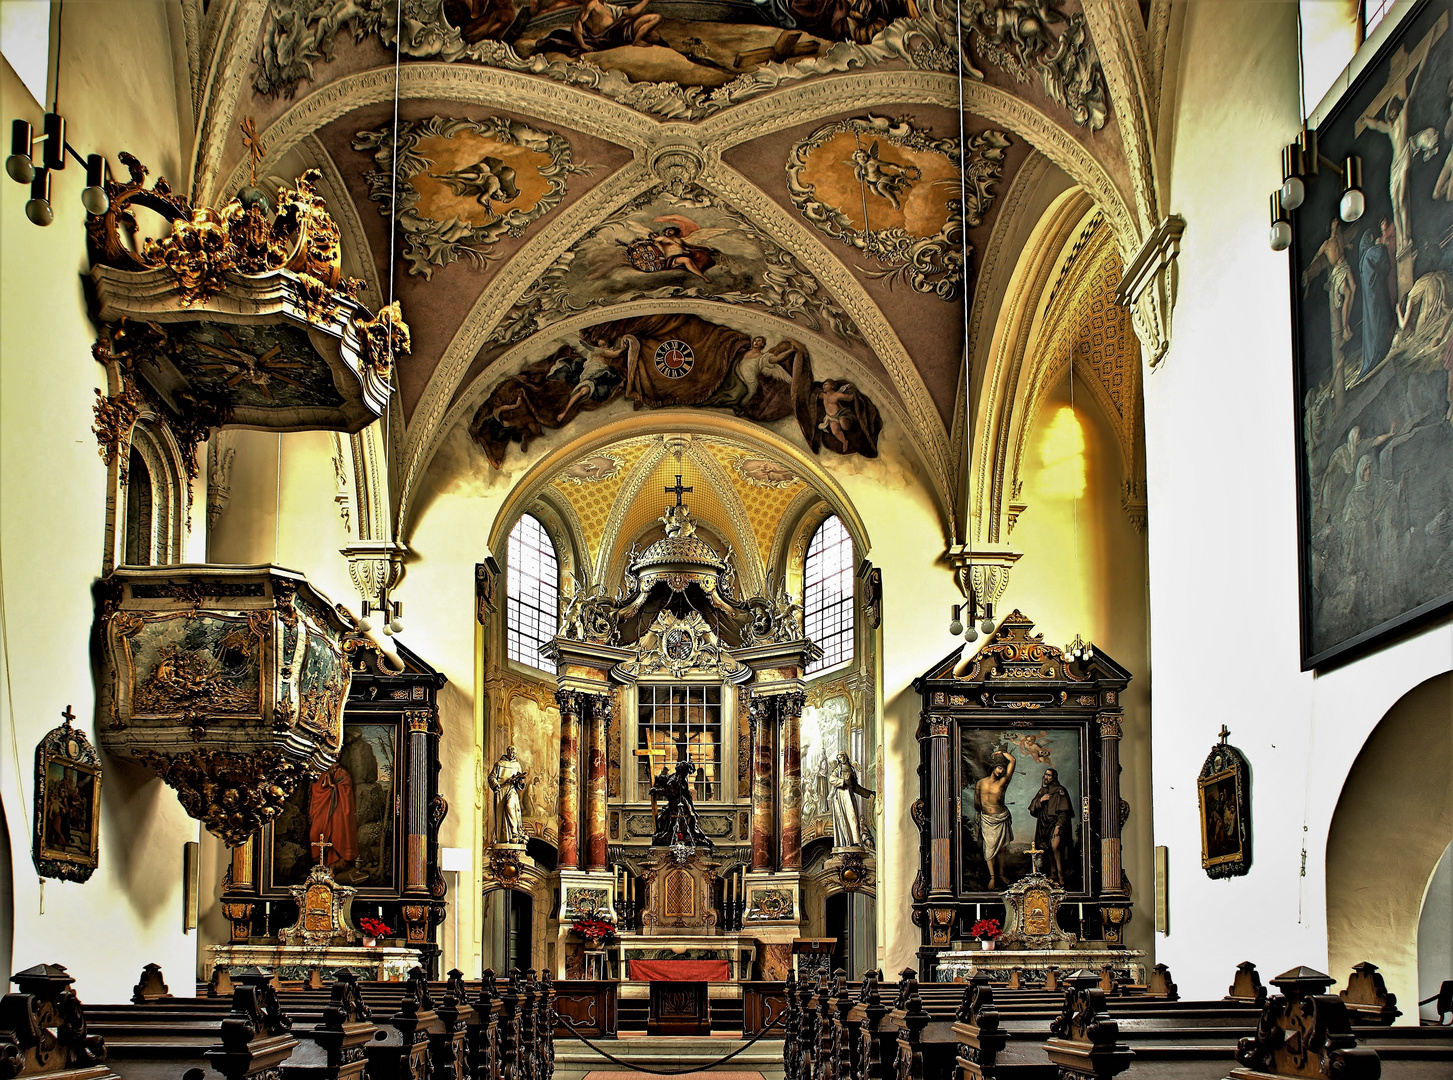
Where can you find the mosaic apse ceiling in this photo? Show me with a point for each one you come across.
(776, 210)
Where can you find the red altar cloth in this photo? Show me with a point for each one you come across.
(680, 970)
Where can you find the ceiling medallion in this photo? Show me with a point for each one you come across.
(463, 185)
(674, 358)
(893, 192)
(592, 469)
(764, 472)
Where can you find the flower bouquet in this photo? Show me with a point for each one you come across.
(986, 931)
(596, 928)
(373, 929)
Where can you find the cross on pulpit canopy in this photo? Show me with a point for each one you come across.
(1225, 733)
(69, 716)
(320, 846)
(678, 490)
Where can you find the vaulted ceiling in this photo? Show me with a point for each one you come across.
(519, 174)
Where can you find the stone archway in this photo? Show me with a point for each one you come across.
(1392, 823)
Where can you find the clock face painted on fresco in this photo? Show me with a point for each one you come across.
(678, 644)
(674, 358)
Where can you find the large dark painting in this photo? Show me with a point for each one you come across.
(1373, 302)
(67, 804)
(352, 808)
(1021, 789)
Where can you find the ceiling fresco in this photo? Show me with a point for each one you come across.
(778, 210)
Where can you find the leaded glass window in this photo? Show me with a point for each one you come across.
(532, 592)
(828, 594)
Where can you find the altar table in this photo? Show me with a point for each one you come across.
(680, 970)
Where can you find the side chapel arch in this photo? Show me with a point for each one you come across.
(1393, 821)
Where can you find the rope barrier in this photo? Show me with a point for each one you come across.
(670, 1072)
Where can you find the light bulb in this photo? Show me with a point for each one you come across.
(971, 634)
(387, 631)
(1293, 192)
(956, 627)
(39, 211)
(1281, 235)
(987, 625)
(364, 626)
(93, 196)
(1353, 204)
(20, 168)
(1089, 651)
(396, 626)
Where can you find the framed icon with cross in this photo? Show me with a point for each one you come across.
(67, 837)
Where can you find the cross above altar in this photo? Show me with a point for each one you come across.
(320, 846)
(678, 490)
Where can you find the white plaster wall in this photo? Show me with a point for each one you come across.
(117, 92)
(1223, 535)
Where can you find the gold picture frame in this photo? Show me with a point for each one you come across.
(66, 842)
(1224, 793)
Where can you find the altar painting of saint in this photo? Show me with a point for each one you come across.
(1007, 807)
(1373, 304)
(350, 808)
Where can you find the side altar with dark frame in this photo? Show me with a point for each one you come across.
(377, 813)
(1019, 809)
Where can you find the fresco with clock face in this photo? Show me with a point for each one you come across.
(676, 360)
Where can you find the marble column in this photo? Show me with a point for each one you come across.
(790, 710)
(595, 843)
(1110, 731)
(569, 801)
(940, 807)
(763, 723)
(419, 724)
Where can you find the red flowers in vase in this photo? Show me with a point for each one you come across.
(374, 928)
(594, 929)
(986, 929)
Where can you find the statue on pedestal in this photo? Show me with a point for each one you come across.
(847, 820)
(507, 781)
(678, 825)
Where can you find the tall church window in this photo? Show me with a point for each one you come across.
(828, 594)
(680, 723)
(532, 591)
(1372, 14)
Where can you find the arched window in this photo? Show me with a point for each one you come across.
(140, 540)
(828, 594)
(532, 591)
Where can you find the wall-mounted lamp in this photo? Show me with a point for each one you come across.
(961, 619)
(390, 612)
(1281, 228)
(1079, 649)
(20, 166)
(1300, 163)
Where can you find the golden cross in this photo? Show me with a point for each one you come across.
(320, 845)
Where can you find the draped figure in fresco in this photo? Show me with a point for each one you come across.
(676, 361)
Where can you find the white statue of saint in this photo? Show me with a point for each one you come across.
(847, 821)
(507, 781)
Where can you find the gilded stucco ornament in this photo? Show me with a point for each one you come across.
(891, 191)
(505, 175)
(240, 314)
(1149, 285)
(1019, 36)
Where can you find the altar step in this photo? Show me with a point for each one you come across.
(726, 1014)
(573, 1059)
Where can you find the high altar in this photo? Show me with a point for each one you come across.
(661, 689)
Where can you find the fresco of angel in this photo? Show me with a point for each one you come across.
(887, 179)
(489, 180)
(680, 244)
